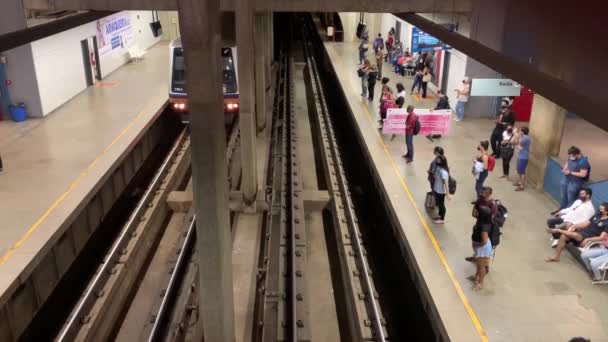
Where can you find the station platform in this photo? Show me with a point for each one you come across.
(51, 164)
(524, 298)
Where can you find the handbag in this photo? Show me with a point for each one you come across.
(360, 72)
(426, 78)
(429, 202)
(507, 150)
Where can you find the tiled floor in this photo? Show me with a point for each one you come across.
(43, 157)
(525, 298)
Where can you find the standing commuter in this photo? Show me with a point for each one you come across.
(462, 95)
(417, 81)
(410, 122)
(507, 148)
(386, 102)
(363, 47)
(426, 78)
(379, 61)
(437, 152)
(372, 76)
(481, 166)
(576, 172)
(504, 119)
(440, 187)
(364, 73)
(484, 211)
(378, 43)
(522, 158)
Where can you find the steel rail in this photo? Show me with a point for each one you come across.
(173, 285)
(96, 286)
(367, 281)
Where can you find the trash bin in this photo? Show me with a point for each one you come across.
(18, 112)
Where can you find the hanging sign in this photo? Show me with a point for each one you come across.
(114, 33)
(495, 87)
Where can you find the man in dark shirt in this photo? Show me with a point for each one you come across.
(595, 229)
(505, 118)
(410, 122)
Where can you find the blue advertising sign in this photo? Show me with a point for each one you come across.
(422, 41)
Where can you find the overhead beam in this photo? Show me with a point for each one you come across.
(590, 108)
(373, 6)
(15, 39)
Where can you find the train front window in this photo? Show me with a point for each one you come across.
(229, 75)
(179, 72)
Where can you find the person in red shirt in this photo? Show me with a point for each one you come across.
(410, 122)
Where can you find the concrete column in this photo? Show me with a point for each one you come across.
(260, 73)
(199, 22)
(271, 36)
(267, 50)
(245, 49)
(487, 27)
(546, 129)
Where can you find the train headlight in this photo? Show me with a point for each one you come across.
(230, 106)
(182, 106)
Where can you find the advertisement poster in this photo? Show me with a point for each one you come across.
(431, 121)
(114, 32)
(422, 41)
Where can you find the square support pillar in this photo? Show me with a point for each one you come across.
(199, 22)
(546, 129)
(260, 71)
(247, 117)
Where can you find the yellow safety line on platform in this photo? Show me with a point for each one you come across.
(431, 236)
(61, 198)
(429, 232)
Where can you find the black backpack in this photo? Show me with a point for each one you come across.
(417, 126)
(501, 214)
(452, 185)
(495, 234)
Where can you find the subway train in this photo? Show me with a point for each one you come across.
(177, 80)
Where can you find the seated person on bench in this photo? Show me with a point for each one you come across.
(595, 229)
(579, 212)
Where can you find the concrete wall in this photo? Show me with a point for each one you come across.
(19, 70)
(59, 68)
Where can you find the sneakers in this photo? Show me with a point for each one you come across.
(554, 243)
(470, 259)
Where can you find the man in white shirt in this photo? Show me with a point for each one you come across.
(578, 213)
(462, 95)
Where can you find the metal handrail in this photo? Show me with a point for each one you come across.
(88, 300)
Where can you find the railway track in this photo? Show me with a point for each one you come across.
(116, 303)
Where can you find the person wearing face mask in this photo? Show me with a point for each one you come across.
(593, 229)
(574, 216)
(509, 140)
(484, 211)
(440, 187)
(504, 119)
(594, 258)
(437, 151)
(576, 173)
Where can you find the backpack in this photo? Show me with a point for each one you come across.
(495, 234)
(451, 185)
(417, 126)
(491, 163)
(580, 161)
(501, 214)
